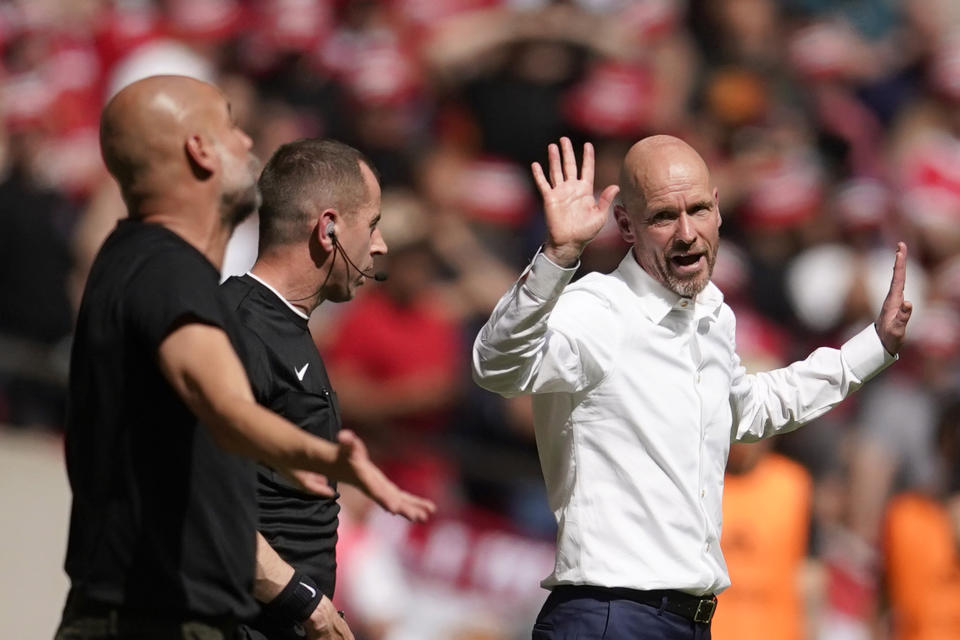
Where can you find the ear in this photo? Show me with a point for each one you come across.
(716, 204)
(327, 221)
(201, 156)
(624, 224)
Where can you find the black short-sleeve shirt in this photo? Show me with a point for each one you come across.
(288, 377)
(163, 520)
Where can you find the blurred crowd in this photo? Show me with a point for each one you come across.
(832, 130)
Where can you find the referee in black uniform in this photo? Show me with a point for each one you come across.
(318, 237)
(162, 533)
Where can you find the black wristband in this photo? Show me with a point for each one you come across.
(296, 602)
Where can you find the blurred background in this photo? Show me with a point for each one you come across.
(832, 130)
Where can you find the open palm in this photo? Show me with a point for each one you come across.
(574, 216)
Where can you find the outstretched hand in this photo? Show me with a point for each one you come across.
(891, 324)
(574, 217)
(355, 467)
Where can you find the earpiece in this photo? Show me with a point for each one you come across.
(330, 231)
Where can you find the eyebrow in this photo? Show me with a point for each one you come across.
(670, 210)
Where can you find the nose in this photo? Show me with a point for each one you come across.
(685, 231)
(378, 246)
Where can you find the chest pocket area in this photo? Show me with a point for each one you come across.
(316, 413)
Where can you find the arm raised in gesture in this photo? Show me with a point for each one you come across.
(574, 216)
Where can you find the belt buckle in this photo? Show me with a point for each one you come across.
(705, 609)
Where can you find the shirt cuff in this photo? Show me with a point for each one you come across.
(866, 355)
(545, 279)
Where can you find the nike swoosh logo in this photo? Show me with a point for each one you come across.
(313, 592)
(301, 372)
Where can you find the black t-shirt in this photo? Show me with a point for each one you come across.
(163, 520)
(289, 378)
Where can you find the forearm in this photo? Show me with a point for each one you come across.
(246, 428)
(272, 572)
(290, 598)
(509, 347)
(782, 400)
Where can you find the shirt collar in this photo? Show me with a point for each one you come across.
(277, 293)
(657, 301)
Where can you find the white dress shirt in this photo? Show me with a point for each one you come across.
(637, 395)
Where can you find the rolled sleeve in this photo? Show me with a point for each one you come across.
(865, 354)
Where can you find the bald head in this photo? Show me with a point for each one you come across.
(146, 124)
(168, 137)
(654, 162)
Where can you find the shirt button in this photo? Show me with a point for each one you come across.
(708, 546)
(703, 493)
(683, 303)
(699, 378)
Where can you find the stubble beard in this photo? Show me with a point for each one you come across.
(239, 201)
(686, 287)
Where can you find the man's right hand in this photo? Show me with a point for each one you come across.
(573, 216)
(325, 623)
(355, 467)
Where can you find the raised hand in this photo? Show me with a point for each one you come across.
(574, 217)
(355, 467)
(891, 324)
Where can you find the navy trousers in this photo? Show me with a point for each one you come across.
(574, 614)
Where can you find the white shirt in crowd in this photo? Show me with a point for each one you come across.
(638, 394)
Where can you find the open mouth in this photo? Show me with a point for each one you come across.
(686, 263)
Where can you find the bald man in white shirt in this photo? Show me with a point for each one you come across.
(638, 392)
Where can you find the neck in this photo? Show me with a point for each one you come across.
(296, 285)
(200, 225)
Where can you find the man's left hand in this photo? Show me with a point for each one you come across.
(891, 324)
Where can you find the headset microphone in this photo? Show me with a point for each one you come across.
(379, 276)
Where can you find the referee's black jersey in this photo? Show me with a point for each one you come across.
(163, 520)
(288, 377)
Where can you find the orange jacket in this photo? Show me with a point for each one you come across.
(922, 569)
(766, 519)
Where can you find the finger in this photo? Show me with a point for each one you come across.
(314, 482)
(419, 509)
(411, 507)
(569, 159)
(899, 273)
(351, 442)
(344, 629)
(540, 179)
(587, 173)
(606, 198)
(904, 313)
(553, 156)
